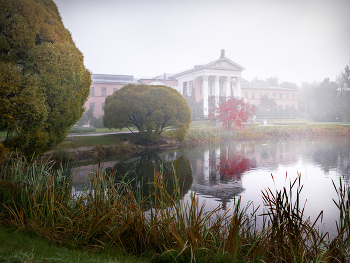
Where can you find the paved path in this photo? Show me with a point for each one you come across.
(97, 134)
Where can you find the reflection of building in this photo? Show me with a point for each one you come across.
(218, 172)
(203, 86)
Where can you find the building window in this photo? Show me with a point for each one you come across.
(190, 87)
(246, 95)
(103, 105)
(253, 95)
(287, 96)
(103, 92)
(274, 95)
(260, 95)
(92, 91)
(293, 96)
(92, 106)
(280, 96)
(185, 88)
(81, 175)
(115, 89)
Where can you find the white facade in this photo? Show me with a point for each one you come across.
(220, 78)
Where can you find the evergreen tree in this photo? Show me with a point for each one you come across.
(43, 81)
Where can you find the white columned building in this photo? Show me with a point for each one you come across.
(205, 93)
(219, 78)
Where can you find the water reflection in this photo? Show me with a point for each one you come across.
(219, 173)
(140, 171)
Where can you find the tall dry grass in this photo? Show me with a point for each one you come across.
(108, 213)
(218, 134)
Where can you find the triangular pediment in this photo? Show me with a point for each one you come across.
(220, 64)
(223, 64)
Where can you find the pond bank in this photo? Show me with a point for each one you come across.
(123, 145)
(127, 144)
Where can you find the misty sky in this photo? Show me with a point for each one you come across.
(299, 40)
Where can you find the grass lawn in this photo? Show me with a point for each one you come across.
(20, 247)
(86, 141)
(3, 134)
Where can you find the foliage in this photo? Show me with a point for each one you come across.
(29, 248)
(273, 81)
(151, 109)
(267, 108)
(325, 104)
(346, 76)
(4, 153)
(88, 117)
(43, 81)
(344, 85)
(110, 214)
(233, 112)
(288, 85)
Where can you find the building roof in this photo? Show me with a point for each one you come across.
(106, 78)
(222, 63)
(261, 85)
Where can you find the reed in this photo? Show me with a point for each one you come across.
(112, 214)
(218, 134)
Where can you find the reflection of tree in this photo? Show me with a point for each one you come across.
(332, 153)
(141, 171)
(235, 166)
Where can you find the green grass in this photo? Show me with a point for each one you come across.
(86, 141)
(3, 134)
(17, 246)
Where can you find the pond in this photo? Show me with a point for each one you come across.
(219, 173)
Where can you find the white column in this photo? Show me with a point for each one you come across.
(239, 91)
(228, 87)
(217, 162)
(217, 92)
(205, 92)
(206, 166)
(181, 88)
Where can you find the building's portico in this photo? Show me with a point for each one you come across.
(220, 78)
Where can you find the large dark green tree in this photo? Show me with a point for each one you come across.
(267, 107)
(43, 81)
(151, 109)
(344, 87)
(324, 102)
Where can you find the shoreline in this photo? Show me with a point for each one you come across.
(127, 144)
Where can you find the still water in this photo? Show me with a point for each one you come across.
(219, 173)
